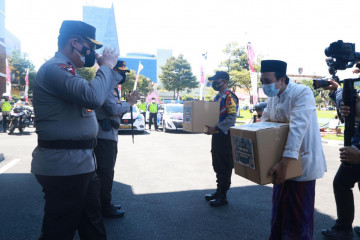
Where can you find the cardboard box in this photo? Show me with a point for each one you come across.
(197, 114)
(258, 147)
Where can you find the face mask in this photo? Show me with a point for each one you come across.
(216, 86)
(81, 57)
(89, 56)
(270, 90)
(153, 101)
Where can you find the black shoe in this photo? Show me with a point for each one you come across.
(357, 230)
(209, 197)
(219, 201)
(112, 212)
(336, 234)
(117, 206)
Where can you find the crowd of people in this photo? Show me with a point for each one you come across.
(77, 127)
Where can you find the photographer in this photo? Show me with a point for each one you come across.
(347, 174)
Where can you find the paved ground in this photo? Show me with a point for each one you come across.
(160, 182)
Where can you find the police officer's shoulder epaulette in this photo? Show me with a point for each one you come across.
(231, 94)
(67, 67)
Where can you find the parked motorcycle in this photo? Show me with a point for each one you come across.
(19, 118)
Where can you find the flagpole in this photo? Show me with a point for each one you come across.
(138, 74)
(202, 76)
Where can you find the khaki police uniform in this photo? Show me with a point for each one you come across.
(63, 162)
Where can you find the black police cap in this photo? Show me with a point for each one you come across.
(220, 75)
(121, 66)
(273, 66)
(69, 27)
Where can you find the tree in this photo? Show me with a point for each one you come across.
(87, 72)
(177, 75)
(238, 67)
(143, 85)
(18, 65)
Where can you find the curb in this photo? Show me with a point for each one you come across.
(332, 142)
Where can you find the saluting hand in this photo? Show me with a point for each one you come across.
(108, 58)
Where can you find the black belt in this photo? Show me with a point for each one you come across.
(67, 144)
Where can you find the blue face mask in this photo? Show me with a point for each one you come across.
(270, 90)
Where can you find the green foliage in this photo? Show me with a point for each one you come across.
(211, 93)
(18, 64)
(177, 75)
(188, 97)
(87, 72)
(238, 67)
(143, 84)
(321, 96)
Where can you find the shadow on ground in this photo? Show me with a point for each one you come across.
(169, 215)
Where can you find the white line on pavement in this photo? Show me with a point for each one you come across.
(9, 165)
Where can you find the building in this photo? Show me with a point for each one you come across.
(2, 49)
(162, 56)
(103, 19)
(12, 43)
(148, 61)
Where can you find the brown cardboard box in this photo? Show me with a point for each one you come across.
(259, 146)
(197, 114)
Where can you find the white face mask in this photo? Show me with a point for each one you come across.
(153, 101)
(81, 57)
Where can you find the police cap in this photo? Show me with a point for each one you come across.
(69, 27)
(220, 75)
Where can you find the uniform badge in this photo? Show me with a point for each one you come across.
(88, 110)
(67, 68)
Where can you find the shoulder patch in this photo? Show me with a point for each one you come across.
(67, 68)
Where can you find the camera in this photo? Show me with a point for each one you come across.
(344, 55)
(320, 83)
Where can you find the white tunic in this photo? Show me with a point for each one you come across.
(296, 106)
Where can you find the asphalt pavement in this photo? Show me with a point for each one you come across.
(160, 181)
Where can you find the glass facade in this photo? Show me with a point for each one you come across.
(162, 56)
(147, 60)
(103, 19)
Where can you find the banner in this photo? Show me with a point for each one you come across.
(27, 86)
(119, 89)
(138, 74)
(202, 75)
(251, 56)
(8, 80)
(253, 75)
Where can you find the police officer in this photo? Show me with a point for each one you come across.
(142, 106)
(108, 116)
(221, 142)
(6, 109)
(153, 109)
(63, 161)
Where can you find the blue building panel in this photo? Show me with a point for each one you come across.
(149, 64)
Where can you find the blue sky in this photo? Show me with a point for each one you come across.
(291, 30)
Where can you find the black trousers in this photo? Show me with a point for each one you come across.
(72, 203)
(344, 181)
(5, 122)
(222, 160)
(153, 116)
(105, 152)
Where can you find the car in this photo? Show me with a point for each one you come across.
(138, 121)
(170, 116)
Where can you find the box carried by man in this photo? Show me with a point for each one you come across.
(198, 114)
(258, 147)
